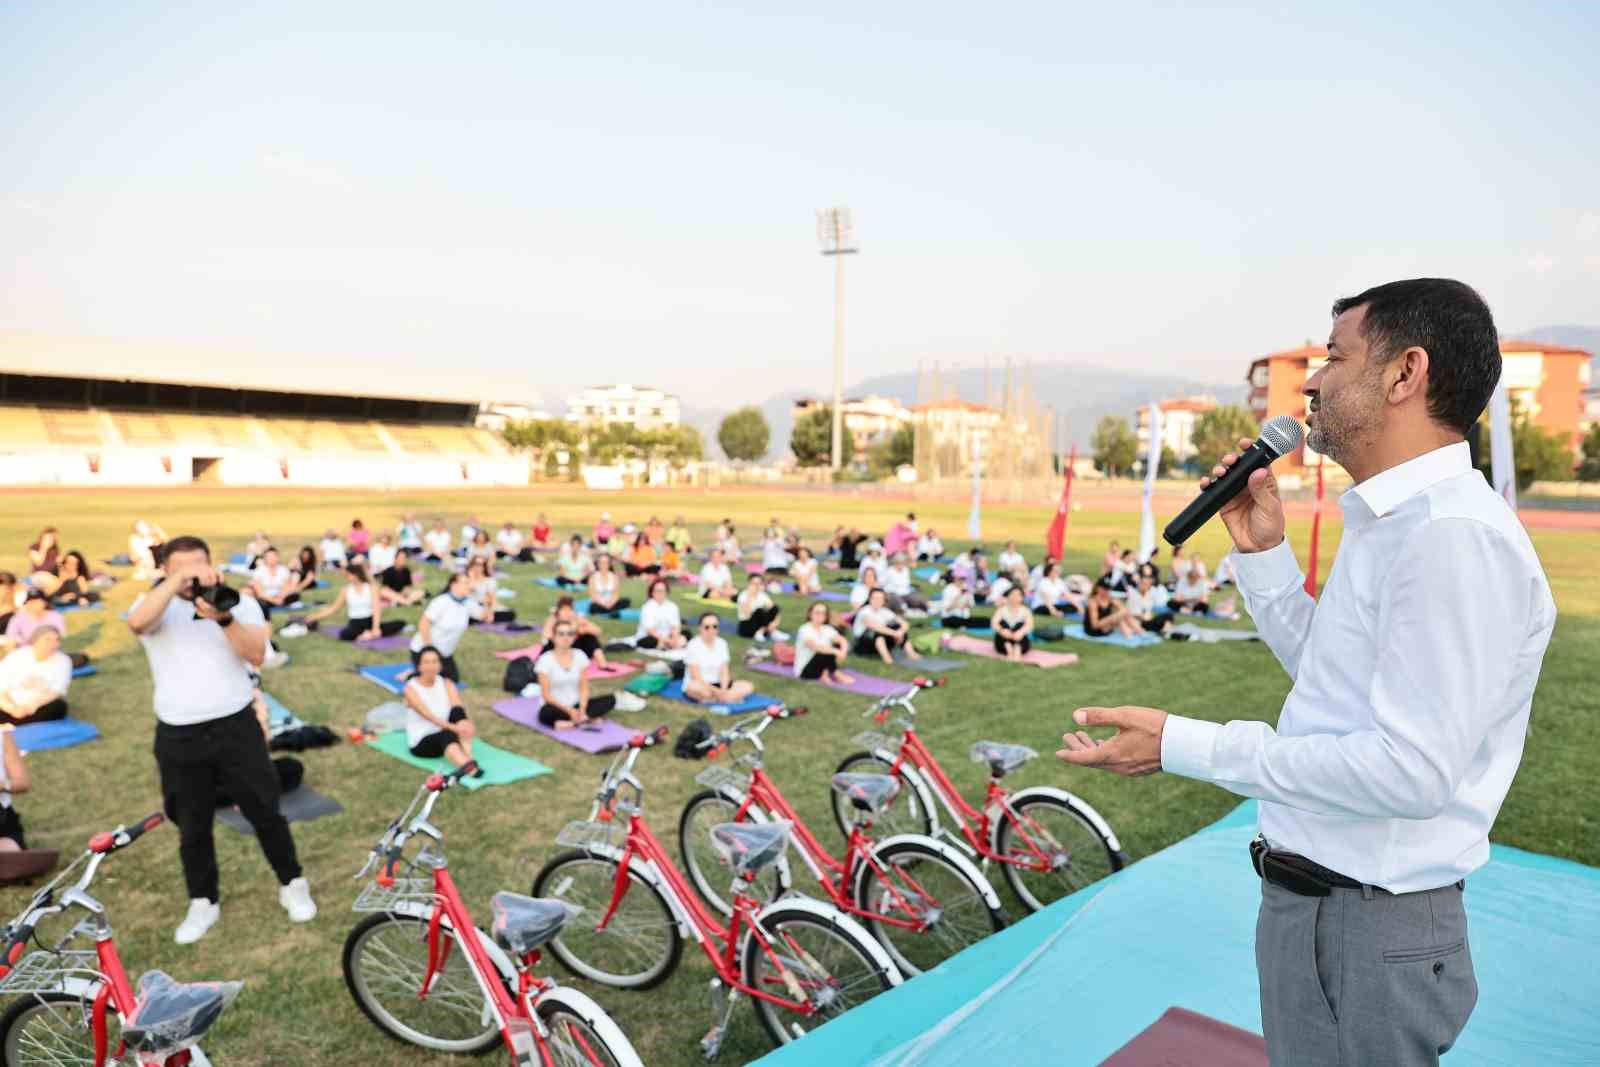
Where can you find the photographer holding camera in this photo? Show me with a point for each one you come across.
(203, 641)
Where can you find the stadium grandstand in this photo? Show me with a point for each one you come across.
(102, 413)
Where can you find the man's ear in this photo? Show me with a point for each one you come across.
(1408, 375)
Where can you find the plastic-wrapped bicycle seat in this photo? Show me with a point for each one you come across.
(522, 924)
(747, 847)
(170, 1016)
(870, 793)
(1001, 757)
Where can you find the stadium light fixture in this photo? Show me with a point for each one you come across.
(836, 233)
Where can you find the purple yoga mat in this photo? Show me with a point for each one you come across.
(864, 684)
(501, 629)
(604, 736)
(377, 644)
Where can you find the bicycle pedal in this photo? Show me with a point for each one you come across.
(711, 1044)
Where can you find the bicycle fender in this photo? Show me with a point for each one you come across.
(832, 915)
(954, 856)
(602, 1024)
(1077, 803)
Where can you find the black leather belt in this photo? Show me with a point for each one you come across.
(1293, 872)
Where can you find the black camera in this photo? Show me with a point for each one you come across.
(222, 597)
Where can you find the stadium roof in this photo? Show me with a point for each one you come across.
(405, 378)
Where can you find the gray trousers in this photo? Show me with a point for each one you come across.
(1363, 978)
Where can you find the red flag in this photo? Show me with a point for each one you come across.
(1055, 539)
(1316, 529)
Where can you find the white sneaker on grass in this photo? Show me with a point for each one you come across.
(274, 660)
(203, 915)
(781, 635)
(294, 629)
(296, 900)
(627, 701)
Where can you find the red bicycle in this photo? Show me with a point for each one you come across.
(419, 980)
(924, 900)
(76, 1005)
(802, 962)
(1048, 842)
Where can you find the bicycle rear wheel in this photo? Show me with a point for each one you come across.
(913, 881)
(582, 1034)
(638, 948)
(904, 815)
(707, 873)
(1074, 852)
(51, 1030)
(385, 961)
(830, 962)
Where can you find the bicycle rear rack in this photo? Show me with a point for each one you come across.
(587, 834)
(45, 971)
(377, 897)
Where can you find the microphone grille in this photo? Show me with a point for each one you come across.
(1283, 434)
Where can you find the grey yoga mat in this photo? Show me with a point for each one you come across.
(301, 804)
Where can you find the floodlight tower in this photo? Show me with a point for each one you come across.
(837, 236)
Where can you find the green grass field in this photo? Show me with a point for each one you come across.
(295, 1008)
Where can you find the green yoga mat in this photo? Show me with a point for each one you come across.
(499, 766)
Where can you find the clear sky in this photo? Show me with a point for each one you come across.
(560, 194)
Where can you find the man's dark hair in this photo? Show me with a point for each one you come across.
(186, 543)
(1448, 319)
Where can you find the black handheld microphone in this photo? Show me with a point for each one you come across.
(1279, 437)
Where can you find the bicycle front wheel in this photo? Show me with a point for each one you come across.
(911, 881)
(583, 1035)
(830, 963)
(904, 815)
(51, 1030)
(638, 948)
(1051, 850)
(385, 961)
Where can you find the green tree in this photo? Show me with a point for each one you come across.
(1217, 432)
(543, 439)
(1589, 469)
(902, 447)
(1114, 445)
(744, 435)
(812, 440)
(684, 446)
(1169, 461)
(1539, 455)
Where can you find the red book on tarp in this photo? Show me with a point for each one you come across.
(1183, 1038)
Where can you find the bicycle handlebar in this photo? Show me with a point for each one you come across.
(751, 727)
(880, 708)
(111, 840)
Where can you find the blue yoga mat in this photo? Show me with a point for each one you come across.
(550, 583)
(1194, 907)
(927, 574)
(1075, 632)
(62, 733)
(97, 606)
(582, 607)
(388, 675)
(673, 690)
(279, 716)
(85, 670)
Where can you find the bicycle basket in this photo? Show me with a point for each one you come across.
(377, 897)
(872, 741)
(586, 834)
(717, 777)
(45, 971)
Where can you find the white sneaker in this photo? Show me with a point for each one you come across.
(627, 701)
(781, 635)
(294, 629)
(296, 900)
(761, 637)
(203, 915)
(274, 660)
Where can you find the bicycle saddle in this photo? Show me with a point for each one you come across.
(748, 847)
(522, 924)
(170, 1016)
(870, 793)
(1001, 757)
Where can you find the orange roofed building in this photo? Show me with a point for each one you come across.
(1546, 381)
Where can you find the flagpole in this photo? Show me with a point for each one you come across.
(1316, 530)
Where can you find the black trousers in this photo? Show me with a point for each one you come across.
(954, 622)
(433, 746)
(1002, 643)
(549, 714)
(354, 628)
(613, 611)
(820, 663)
(196, 762)
(56, 709)
(759, 620)
(588, 644)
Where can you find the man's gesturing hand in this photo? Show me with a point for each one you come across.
(1134, 749)
(1254, 517)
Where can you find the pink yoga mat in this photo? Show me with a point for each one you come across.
(594, 673)
(1036, 658)
(602, 736)
(863, 684)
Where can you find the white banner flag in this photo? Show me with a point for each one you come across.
(1502, 464)
(974, 517)
(1152, 466)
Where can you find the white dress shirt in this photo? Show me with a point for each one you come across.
(1413, 681)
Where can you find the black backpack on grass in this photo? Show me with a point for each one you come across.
(519, 675)
(690, 738)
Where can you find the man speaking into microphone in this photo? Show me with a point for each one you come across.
(1413, 679)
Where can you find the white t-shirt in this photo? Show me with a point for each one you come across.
(23, 678)
(380, 557)
(929, 546)
(998, 588)
(656, 616)
(897, 580)
(803, 652)
(1192, 587)
(272, 581)
(198, 676)
(774, 557)
(574, 566)
(436, 699)
(563, 681)
(876, 563)
(358, 600)
(468, 532)
(1143, 605)
(710, 659)
(715, 576)
(332, 550)
(438, 542)
(804, 572)
(409, 535)
(877, 616)
(510, 540)
(751, 601)
(1050, 592)
(955, 601)
(603, 586)
(859, 593)
(449, 619)
(1008, 562)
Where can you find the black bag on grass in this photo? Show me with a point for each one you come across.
(690, 738)
(519, 675)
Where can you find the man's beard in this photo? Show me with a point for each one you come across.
(1344, 420)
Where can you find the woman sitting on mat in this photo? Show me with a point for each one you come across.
(604, 530)
(1147, 605)
(656, 532)
(678, 536)
(44, 555)
(758, 615)
(485, 592)
(273, 584)
(359, 538)
(363, 609)
(331, 549)
(396, 584)
(1010, 560)
(706, 675)
(443, 623)
(899, 583)
(1052, 592)
(660, 621)
(605, 590)
(303, 575)
(1191, 595)
(775, 558)
(1013, 626)
(1103, 616)
(508, 544)
(589, 636)
(436, 723)
(437, 542)
(408, 535)
(34, 680)
(643, 557)
(874, 560)
(381, 556)
(863, 588)
(564, 684)
(481, 548)
(956, 603)
(819, 648)
(541, 532)
(804, 572)
(929, 547)
(573, 563)
(716, 580)
(72, 588)
(672, 567)
(879, 630)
